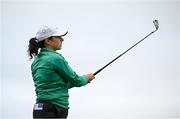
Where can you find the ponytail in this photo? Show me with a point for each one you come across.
(33, 47)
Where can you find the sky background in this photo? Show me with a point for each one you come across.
(144, 83)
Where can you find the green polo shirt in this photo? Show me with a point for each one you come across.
(53, 77)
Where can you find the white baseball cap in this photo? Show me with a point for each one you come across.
(48, 31)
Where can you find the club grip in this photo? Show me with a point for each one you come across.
(97, 72)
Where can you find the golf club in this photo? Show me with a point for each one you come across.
(156, 24)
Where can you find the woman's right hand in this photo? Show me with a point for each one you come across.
(90, 76)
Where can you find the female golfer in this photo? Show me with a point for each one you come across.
(52, 74)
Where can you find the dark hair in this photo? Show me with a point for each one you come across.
(34, 46)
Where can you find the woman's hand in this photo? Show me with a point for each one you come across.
(90, 76)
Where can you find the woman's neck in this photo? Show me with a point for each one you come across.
(50, 48)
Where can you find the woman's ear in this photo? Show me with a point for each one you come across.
(47, 41)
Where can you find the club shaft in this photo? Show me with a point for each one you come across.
(123, 53)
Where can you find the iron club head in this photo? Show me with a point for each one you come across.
(156, 24)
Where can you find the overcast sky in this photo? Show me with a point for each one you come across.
(144, 83)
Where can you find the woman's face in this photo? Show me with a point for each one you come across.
(55, 43)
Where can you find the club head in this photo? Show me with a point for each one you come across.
(156, 24)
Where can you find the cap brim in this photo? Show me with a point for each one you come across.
(60, 34)
(64, 34)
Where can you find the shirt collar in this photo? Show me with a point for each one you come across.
(47, 50)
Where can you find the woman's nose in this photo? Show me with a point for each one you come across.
(61, 39)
